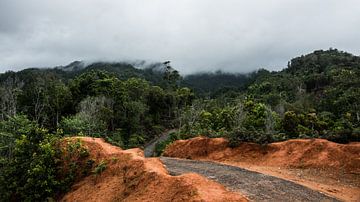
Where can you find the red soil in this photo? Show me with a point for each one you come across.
(319, 164)
(131, 177)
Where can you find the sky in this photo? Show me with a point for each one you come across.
(195, 35)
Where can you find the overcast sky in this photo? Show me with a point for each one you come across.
(196, 35)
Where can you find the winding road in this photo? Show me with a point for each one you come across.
(150, 147)
(255, 186)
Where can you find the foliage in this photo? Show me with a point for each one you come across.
(125, 112)
(32, 162)
(116, 138)
(28, 172)
(161, 146)
(316, 96)
(215, 84)
(236, 119)
(245, 135)
(100, 168)
(91, 119)
(102, 99)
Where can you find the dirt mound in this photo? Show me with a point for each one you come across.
(299, 153)
(316, 163)
(130, 177)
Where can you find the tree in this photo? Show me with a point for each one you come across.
(9, 92)
(290, 123)
(93, 83)
(28, 172)
(93, 118)
(60, 99)
(171, 76)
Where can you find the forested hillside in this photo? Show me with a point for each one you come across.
(212, 85)
(316, 96)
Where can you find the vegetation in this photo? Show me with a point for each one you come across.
(100, 168)
(127, 112)
(160, 146)
(316, 96)
(33, 165)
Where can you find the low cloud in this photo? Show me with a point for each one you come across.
(201, 35)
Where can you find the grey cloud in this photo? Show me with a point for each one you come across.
(232, 35)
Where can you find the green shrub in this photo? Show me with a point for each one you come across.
(135, 141)
(100, 168)
(290, 123)
(33, 169)
(355, 136)
(244, 135)
(339, 136)
(30, 174)
(161, 146)
(116, 138)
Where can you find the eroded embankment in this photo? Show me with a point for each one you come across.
(316, 163)
(299, 153)
(130, 177)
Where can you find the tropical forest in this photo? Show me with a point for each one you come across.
(44, 113)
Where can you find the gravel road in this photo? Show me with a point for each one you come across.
(256, 186)
(150, 147)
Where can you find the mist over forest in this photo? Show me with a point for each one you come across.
(315, 96)
(100, 100)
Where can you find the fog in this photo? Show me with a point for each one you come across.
(231, 35)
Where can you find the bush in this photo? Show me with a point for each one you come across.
(33, 169)
(244, 135)
(100, 168)
(290, 123)
(135, 141)
(339, 136)
(355, 136)
(115, 138)
(77, 124)
(31, 172)
(73, 162)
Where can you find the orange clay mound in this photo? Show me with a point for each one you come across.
(130, 177)
(316, 163)
(298, 153)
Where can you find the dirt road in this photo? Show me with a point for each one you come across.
(150, 147)
(256, 186)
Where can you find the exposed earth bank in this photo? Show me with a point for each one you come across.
(130, 177)
(319, 164)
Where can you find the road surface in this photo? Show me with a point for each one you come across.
(255, 186)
